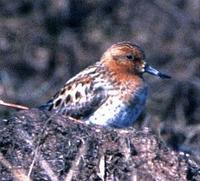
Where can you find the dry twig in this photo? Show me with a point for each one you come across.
(16, 106)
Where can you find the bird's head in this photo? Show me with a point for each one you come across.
(127, 57)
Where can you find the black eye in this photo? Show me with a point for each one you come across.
(130, 57)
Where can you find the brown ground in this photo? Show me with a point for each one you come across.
(37, 146)
(43, 43)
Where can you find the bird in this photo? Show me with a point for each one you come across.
(110, 93)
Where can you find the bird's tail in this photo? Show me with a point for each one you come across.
(44, 107)
(48, 106)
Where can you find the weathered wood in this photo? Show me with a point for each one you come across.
(35, 145)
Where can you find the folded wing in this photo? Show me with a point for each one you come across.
(80, 97)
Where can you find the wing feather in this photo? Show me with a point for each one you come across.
(80, 97)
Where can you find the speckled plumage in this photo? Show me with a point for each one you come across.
(112, 92)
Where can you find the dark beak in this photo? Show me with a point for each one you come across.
(155, 72)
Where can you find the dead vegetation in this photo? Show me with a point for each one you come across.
(37, 145)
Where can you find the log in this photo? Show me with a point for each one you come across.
(37, 145)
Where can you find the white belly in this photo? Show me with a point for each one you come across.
(119, 114)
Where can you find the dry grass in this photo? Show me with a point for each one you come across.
(43, 43)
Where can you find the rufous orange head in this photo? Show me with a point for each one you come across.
(130, 58)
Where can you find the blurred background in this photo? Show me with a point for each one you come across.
(45, 42)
